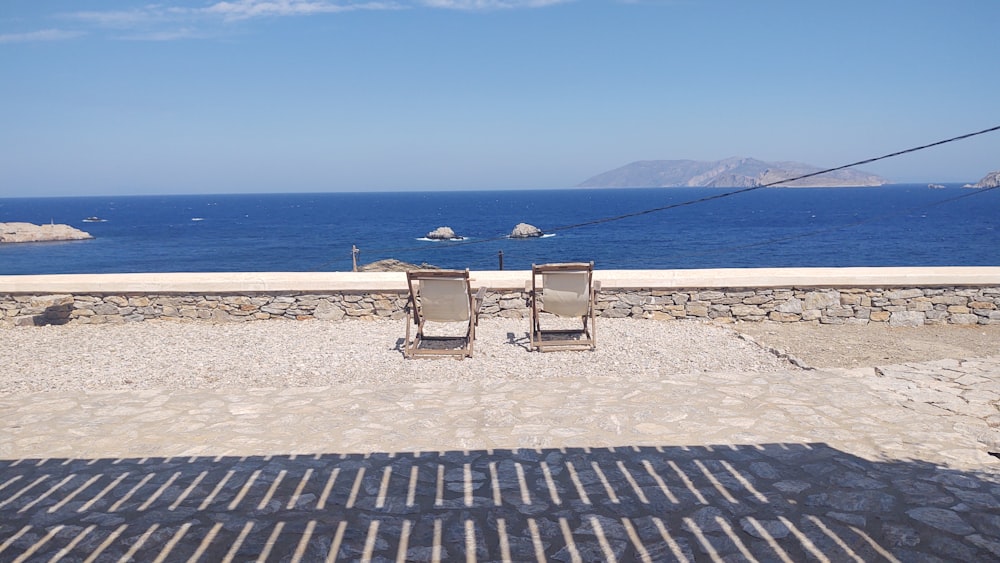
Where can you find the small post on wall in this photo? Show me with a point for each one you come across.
(354, 257)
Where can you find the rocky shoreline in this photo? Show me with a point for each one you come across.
(29, 232)
(991, 180)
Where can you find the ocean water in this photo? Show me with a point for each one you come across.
(899, 225)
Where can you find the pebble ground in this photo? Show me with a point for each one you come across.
(767, 462)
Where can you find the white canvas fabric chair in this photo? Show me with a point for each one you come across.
(567, 291)
(441, 296)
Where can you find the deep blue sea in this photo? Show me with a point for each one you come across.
(898, 225)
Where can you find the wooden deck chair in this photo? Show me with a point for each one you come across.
(566, 291)
(441, 296)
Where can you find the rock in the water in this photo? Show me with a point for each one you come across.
(29, 232)
(393, 265)
(442, 233)
(524, 230)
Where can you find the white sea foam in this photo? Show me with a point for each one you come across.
(546, 235)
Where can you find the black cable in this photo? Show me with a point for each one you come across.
(771, 184)
(880, 217)
(449, 244)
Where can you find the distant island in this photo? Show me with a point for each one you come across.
(991, 180)
(29, 232)
(733, 172)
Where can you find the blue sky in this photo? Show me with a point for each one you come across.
(208, 96)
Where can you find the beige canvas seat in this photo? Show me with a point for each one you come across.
(559, 292)
(442, 297)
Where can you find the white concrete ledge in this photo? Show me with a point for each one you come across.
(313, 282)
(802, 277)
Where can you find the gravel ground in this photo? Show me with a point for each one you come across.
(875, 344)
(314, 353)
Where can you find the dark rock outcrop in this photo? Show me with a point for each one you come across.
(393, 265)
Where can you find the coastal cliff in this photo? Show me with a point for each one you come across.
(729, 173)
(991, 180)
(29, 232)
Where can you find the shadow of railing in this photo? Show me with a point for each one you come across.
(790, 502)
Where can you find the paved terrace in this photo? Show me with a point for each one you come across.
(794, 465)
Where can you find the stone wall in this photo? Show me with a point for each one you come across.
(895, 306)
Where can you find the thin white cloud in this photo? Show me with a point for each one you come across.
(247, 9)
(124, 19)
(233, 10)
(153, 14)
(166, 35)
(486, 5)
(152, 22)
(41, 35)
(159, 22)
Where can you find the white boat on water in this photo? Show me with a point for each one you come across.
(93, 219)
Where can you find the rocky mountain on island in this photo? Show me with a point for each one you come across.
(991, 180)
(729, 173)
(29, 232)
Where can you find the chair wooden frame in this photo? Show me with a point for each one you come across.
(573, 339)
(449, 305)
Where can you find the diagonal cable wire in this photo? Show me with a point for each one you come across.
(880, 217)
(770, 184)
(602, 220)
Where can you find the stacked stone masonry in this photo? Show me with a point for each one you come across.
(895, 306)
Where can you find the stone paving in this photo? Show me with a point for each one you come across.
(868, 464)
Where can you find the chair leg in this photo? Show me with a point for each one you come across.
(406, 343)
(588, 328)
(410, 348)
(471, 334)
(534, 336)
